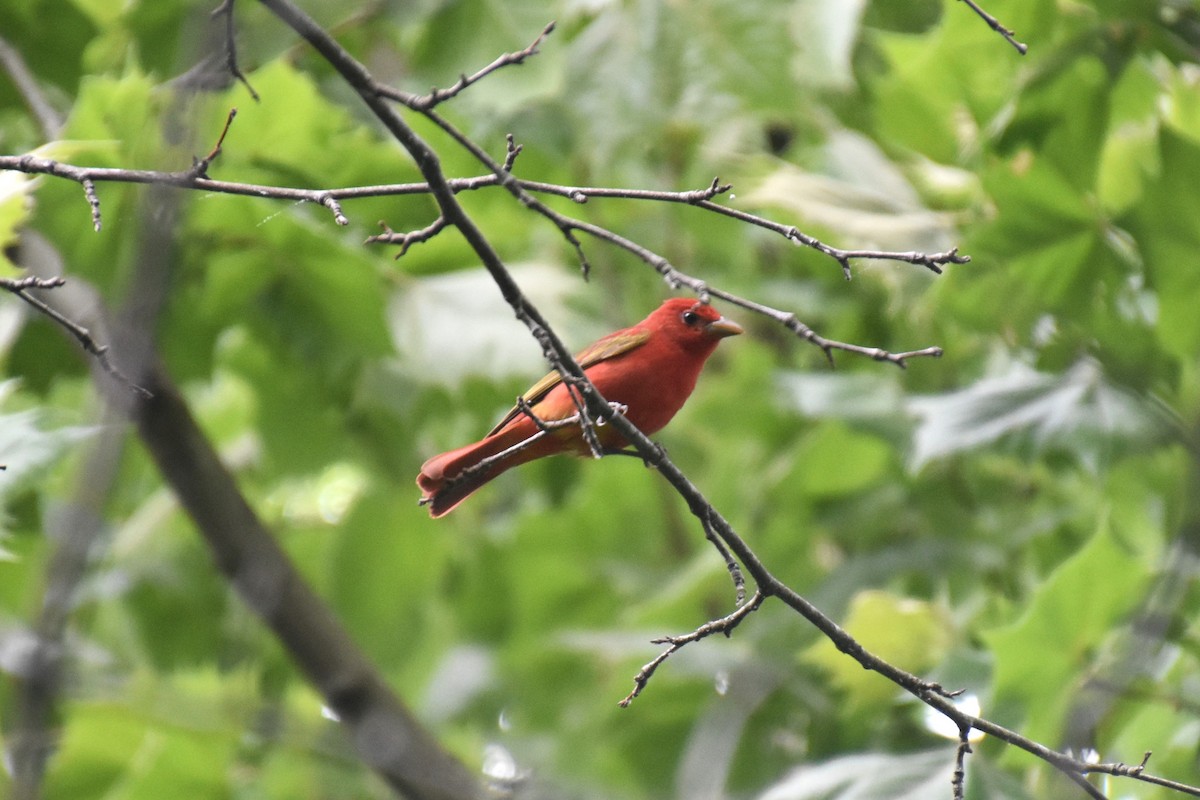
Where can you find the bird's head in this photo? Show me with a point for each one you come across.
(693, 323)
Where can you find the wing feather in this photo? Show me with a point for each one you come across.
(600, 350)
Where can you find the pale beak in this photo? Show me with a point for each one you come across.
(720, 328)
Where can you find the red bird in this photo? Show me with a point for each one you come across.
(650, 368)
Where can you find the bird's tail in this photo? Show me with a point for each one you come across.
(450, 478)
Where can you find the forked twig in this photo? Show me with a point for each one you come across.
(408, 239)
(428, 101)
(723, 625)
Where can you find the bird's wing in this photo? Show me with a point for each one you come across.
(600, 350)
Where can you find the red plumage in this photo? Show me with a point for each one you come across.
(651, 368)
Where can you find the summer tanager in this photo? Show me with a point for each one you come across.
(650, 369)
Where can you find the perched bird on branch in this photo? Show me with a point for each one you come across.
(649, 370)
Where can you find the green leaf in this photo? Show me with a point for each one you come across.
(835, 460)
(111, 752)
(859, 194)
(1078, 410)
(1165, 227)
(918, 16)
(826, 32)
(27, 449)
(16, 190)
(1075, 609)
(912, 776)
(910, 633)
(1130, 157)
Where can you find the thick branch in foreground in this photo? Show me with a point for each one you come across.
(384, 732)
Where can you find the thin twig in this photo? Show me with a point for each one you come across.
(482, 466)
(429, 101)
(723, 625)
(581, 194)
(731, 564)
(407, 240)
(93, 201)
(995, 25)
(958, 780)
(934, 262)
(545, 427)
(587, 426)
(21, 286)
(231, 60)
(49, 121)
(511, 152)
(793, 324)
(200, 166)
(700, 198)
(189, 179)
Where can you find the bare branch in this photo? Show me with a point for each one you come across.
(331, 202)
(958, 781)
(545, 428)
(406, 240)
(723, 625)
(513, 150)
(931, 261)
(587, 426)
(581, 194)
(192, 179)
(93, 200)
(675, 279)
(49, 120)
(231, 61)
(995, 25)
(429, 101)
(793, 324)
(735, 569)
(701, 198)
(21, 286)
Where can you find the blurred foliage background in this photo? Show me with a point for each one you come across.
(1019, 518)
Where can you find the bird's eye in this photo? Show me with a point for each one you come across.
(690, 318)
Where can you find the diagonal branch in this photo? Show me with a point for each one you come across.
(49, 120)
(675, 278)
(427, 161)
(545, 427)
(384, 732)
(21, 286)
(995, 25)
